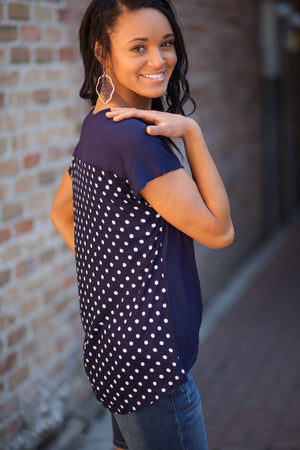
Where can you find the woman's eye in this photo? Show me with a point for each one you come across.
(168, 44)
(138, 49)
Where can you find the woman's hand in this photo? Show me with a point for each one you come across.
(160, 123)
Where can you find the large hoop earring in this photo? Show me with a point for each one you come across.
(107, 88)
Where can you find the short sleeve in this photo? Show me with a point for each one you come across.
(146, 157)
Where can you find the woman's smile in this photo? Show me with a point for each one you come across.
(155, 77)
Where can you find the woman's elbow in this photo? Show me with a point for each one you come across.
(228, 237)
(225, 238)
(217, 238)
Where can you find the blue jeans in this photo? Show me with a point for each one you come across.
(174, 422)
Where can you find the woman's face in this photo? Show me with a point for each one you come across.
(142, 57)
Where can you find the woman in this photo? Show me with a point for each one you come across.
(136, 211)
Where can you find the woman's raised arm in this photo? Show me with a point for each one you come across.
(61, 213)
(199, 207)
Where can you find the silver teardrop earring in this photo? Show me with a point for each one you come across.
(107, 88)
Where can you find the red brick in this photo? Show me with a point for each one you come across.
(32, 160)
(9, 78)
(24, 226)
(52, 293)
(8, 363)
(47, 176)
(44, 357)
(8, 121)
(56, 114)
(43, 55)
(24, 184)
(16, 335)
(43, 14)
(41, 321)
(5, 276)
(31, 33)
(10, 430)
(67, 54)
(62, 94)
(8, 33)
(4, 190)
(20, 55)
(18, 377)
(54, 75)
(18, 11)
(18, 98)
(29, 306)
(54, 34)
(12, 251)
(5, 235)
(41, 96)
(47, 256)
(9, 167)
(3, 56)
(3, 145)
(6, 321)
(33, 76)
(21, 141)
(32, 117)
(24, 268)
(11, 210)
(66, 16)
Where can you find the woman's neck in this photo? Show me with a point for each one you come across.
(119, 102)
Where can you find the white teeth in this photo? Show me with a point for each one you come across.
(154, 77)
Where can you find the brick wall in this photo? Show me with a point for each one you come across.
(40, 340)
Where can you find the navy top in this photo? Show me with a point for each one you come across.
(139, 291)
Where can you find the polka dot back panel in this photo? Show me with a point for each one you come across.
(129, 352)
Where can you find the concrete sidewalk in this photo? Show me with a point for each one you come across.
(248, 369)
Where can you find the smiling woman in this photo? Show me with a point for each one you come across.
(142, 58)
(130, 211)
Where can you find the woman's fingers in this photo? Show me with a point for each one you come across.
(156, 130)
(118, 114)
(160, 123)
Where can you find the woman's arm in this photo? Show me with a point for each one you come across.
(61, 213)
(199, 207)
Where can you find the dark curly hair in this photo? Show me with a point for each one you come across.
(99, 18)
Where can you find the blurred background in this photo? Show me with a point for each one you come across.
(244, 74)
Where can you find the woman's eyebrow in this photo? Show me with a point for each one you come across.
(144, 39)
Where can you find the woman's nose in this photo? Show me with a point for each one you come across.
(156, 58)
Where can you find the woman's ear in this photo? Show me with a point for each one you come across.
(99, 52)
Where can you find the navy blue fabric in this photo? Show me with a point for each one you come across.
(125, 148)
(139, 291)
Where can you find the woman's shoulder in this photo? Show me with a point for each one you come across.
(127, 131)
